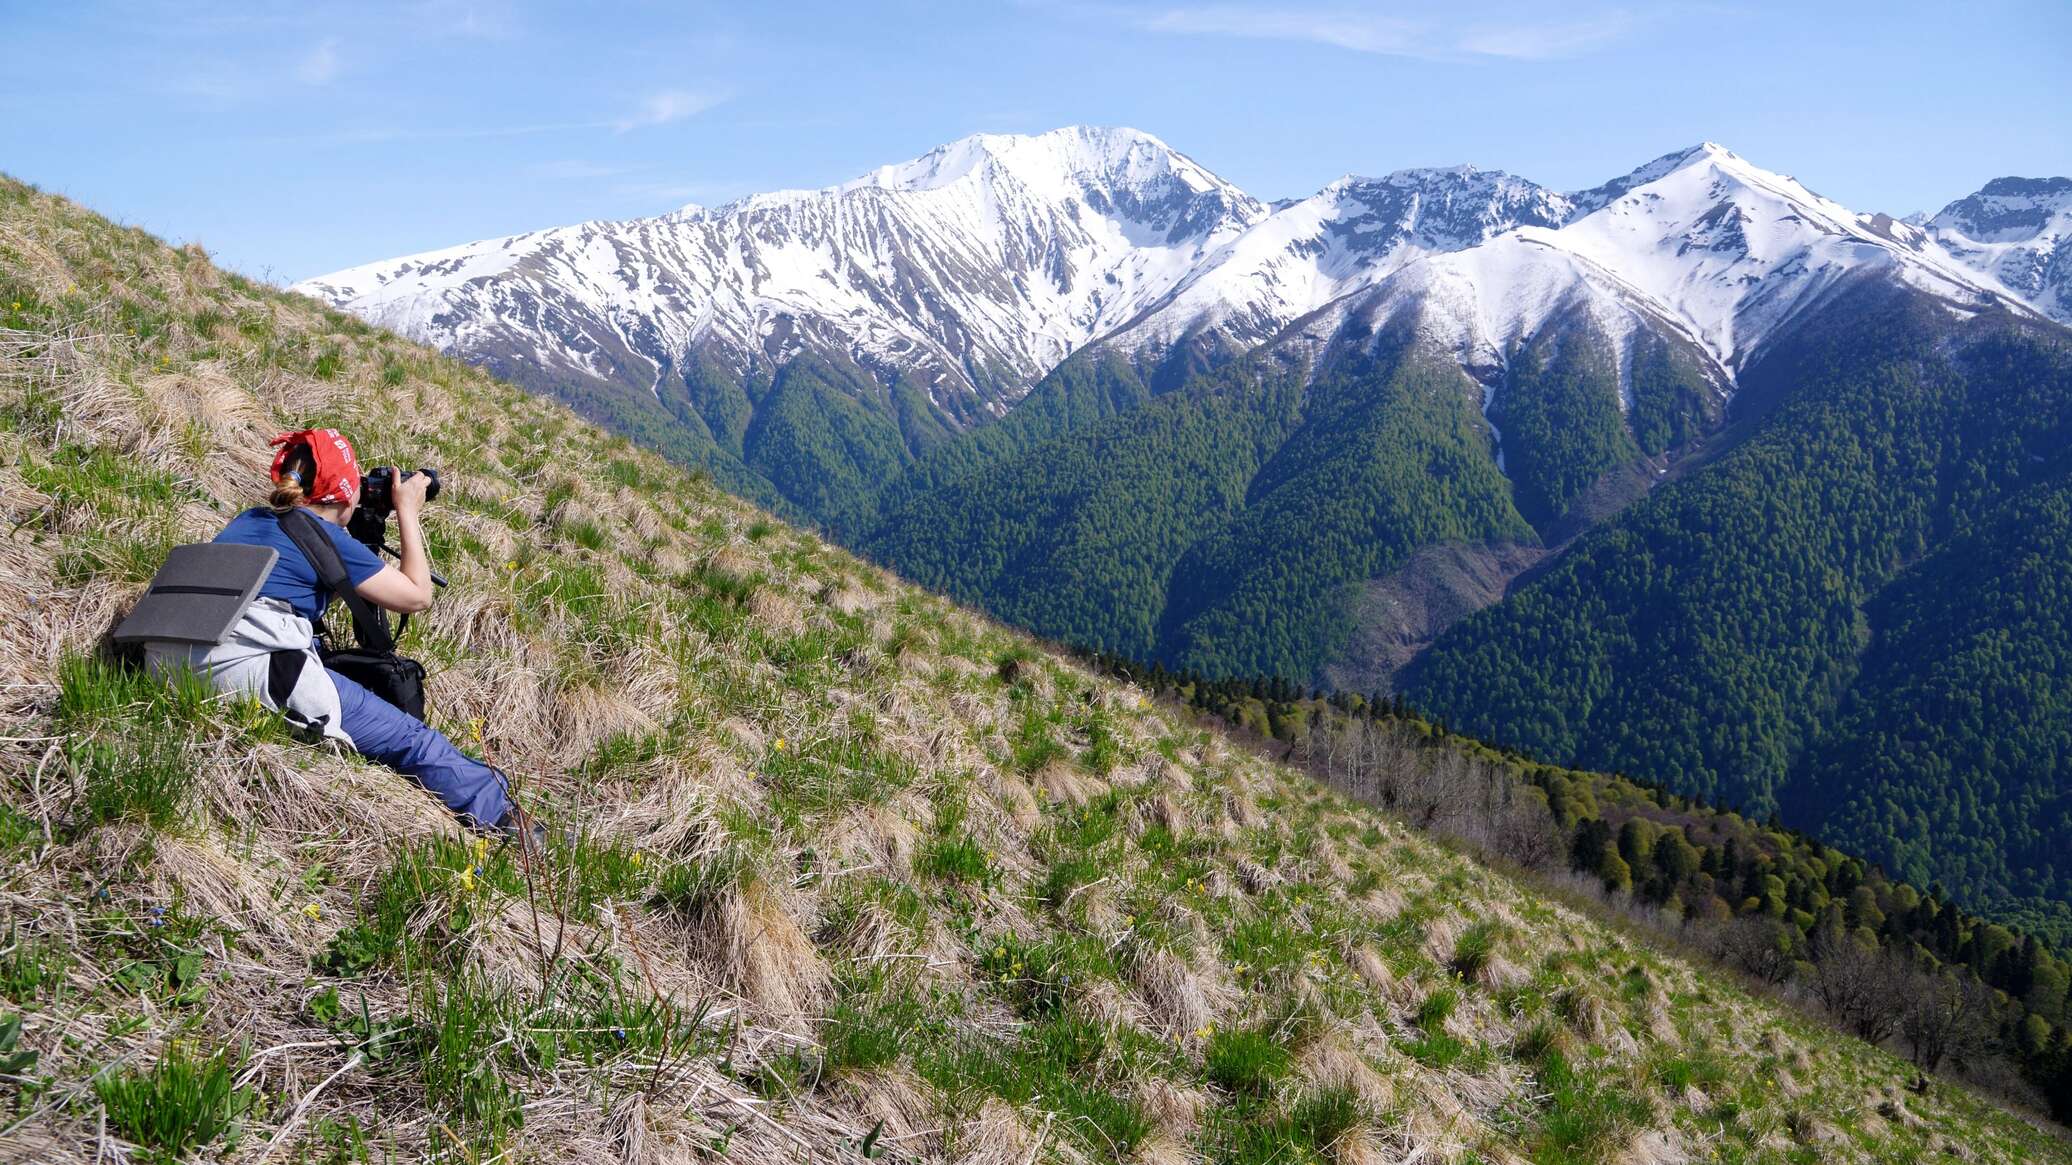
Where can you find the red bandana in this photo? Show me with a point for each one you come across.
(337, 473)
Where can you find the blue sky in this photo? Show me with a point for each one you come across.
(294, 139)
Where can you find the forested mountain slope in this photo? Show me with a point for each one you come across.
(855, 871)
(1709, 636)
(1947, 756)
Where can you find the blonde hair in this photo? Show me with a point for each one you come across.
(291, 488)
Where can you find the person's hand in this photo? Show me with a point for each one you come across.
(408, 494)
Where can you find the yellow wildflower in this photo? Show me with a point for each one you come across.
(467, 878)
(780, 744)
(314, 910)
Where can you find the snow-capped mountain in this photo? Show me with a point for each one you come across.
(2018, 230)
(1699, 244)
(1349, 235)
(970, 270)
(926, 296)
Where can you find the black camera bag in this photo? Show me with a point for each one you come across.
(373, 664)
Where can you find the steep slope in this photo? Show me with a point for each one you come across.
(929, 294)
(2019, 231)
(1947, 758)
(857, 871)
(1705, 637)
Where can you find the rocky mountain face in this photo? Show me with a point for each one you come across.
(1351, 234)
(968, 272)
(2018, 230)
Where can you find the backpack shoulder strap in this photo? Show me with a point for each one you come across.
(369, 626)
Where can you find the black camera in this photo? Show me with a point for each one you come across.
(369, 523)
(378, 489)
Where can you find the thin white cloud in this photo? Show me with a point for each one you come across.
(1381, 33)
(1540, 42)
(321, 66)
(473, 19)
(376, 135)
(1360, 32)
(666, 106)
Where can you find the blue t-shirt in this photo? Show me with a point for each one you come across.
(294, 580)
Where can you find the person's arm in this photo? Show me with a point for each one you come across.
(406, 588)
(392, 590)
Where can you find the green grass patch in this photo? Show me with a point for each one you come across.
(873, 1024)
(1246, 1060)
(418, 910)
(1065, 1065)
(1473, 950)
(829, 775)
(30, 965)
(461, 1025)
(178, 1106)
(127, 735)
(1580, 1120)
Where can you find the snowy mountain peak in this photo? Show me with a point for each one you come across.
(1590, 200)
(970, 270)
(2018, 230)
(1699, 244)
(1351, 234)
(1094, 155)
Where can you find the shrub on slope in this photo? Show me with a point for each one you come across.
(857, 872)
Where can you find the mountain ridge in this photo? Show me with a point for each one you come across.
(925, 298)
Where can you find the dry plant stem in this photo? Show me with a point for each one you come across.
(302, 1106)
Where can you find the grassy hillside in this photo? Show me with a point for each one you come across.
(858, 874)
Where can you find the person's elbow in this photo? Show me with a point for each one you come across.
(392, 590)
(411, 604)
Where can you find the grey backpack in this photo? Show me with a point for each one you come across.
(199, 594)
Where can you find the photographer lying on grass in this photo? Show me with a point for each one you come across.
(273, 653)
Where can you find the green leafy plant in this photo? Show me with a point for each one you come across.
(14, 1060)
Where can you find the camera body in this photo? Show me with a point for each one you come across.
(369, 524)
